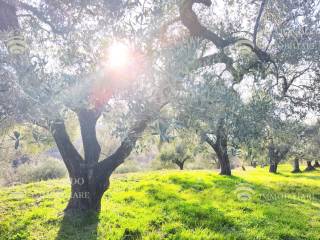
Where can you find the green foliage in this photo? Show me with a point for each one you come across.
(171, 205)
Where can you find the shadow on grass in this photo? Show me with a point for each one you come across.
(194, 216)
(189, 214)
(79, 226)
(259, 194)
(302, 175)
(179, 214)
(283, 206)
(227, 184)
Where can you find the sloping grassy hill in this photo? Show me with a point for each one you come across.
(172, 205)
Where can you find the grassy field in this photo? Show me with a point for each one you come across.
(172, 205)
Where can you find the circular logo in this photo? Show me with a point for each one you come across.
(244, 192)
(244, 47)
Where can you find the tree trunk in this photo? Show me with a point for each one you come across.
(181, 165)
(254, 164)
(309, 167)
(296, 168)
(89, 177)
(221, 149)
(316, 164)
(273, 167)
(86, 194)
(273, 159)
(223, 159)
(224, 163)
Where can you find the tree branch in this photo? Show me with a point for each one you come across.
(69, 153)
(256, 27)
(191, 21)
(88, 119)
(108, 165)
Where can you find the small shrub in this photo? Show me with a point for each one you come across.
(49, 168)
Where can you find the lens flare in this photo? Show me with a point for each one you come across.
(118, 56)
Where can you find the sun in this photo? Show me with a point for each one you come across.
(118, 56)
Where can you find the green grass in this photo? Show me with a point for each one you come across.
(172, 205)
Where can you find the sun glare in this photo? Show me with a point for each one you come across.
(118, 55)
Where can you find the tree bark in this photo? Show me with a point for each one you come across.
(316, 164)
(88, 120)
(309, 167)
(296, 168)
(221, 149)
(224, 163)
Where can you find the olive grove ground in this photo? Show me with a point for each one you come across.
(172, 205)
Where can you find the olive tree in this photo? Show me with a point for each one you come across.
(176, 153)
(65, 66)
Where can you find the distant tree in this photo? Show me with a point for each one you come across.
(282, 138)
(210, 111)
(217, 113)
(176, 153)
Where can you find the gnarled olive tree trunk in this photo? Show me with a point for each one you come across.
(220, 146)
(296, 166)
(89, 176)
